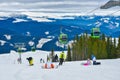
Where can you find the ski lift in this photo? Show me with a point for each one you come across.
(95, 33)
(63, 38)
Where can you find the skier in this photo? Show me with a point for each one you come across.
(48, 58)
(30, 60)
(94, 60)
(61, 57)
(48, 65)
(88, 62)
(56, 58)
(41, 60)
(19, 60)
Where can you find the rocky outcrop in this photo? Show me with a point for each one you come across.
(111, 3)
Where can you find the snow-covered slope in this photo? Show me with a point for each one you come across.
(11, 70)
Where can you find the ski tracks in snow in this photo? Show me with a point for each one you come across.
(35, 73)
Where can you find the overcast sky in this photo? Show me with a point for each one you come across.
(55, 6)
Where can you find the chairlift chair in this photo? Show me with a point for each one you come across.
(63, 38)
(95, 33)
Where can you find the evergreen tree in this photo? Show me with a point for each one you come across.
(73, 52)
(89, 48)
(95, 48)
(114, 44)
(118, 48)
(76, 38)
(85, 46)
(108, 46)
(114, 51)
(69, 54)
(102, 54)
(80, 48)
(103, 37)
(52, 55)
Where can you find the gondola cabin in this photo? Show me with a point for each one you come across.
(63, 38)
(95, 33)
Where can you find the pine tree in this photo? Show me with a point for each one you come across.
(76, 38)
(102, 54)
(114, 51)
(118, 48)
(103, 37)
(108, 47)
(114, 44)
(89, 48)
(95, 48)
(52, 55)
(73, 52)
(85, 46)
(69, 54)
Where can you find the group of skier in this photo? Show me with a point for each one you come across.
(94, 62)
(49, 64)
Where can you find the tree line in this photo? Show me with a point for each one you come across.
(84, 46)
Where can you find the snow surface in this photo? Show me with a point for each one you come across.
(2, 42)
(42, 42)
(19, 20)
(11, 70)
(8, 37)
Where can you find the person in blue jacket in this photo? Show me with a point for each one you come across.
(94, 60)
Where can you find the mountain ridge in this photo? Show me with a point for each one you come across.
(32, 30)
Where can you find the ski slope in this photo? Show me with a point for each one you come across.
(11, 70)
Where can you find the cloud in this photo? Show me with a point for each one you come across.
(24, 1)
(50, 6)
(38, 19)
(53, 5)
(41, 10)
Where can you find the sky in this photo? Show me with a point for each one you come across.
(41, 10)
(59, 7)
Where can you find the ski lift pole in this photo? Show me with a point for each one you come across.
(19, 52)
(64, 46)
(19, 46)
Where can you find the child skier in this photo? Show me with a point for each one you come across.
(30, 60)
(88, 62)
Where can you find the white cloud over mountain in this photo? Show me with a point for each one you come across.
(36, 9)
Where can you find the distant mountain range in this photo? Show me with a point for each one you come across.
(44, 35)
